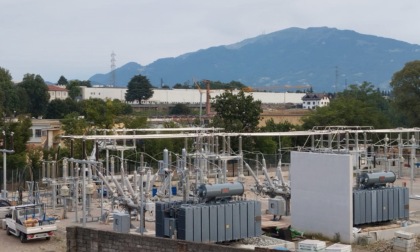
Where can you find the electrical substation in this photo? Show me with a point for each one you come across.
(340, 179)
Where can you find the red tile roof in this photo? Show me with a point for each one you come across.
(55, 88)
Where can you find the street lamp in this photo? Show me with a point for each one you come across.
(5, 151)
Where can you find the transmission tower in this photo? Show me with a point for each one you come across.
(113, 69)
(336, 79)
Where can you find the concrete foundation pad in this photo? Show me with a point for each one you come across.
(389, 234)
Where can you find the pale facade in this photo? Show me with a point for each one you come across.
(44, 133)
(57, 92)
(187, 96)
(312, 101)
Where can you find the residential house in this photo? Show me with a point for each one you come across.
(312, 101)
(44, 133)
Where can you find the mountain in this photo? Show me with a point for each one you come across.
(321, 57)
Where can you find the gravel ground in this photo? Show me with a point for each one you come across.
(12, 243)
(58, 243)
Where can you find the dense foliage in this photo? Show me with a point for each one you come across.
(9, 99)
(406, 90)
(180, 109)
(220, 85)
(359, 105)
(138, 89)
(236, 112)
(58, 109)
(37, 94)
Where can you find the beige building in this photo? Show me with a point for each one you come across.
(44, 133)
(57, 92)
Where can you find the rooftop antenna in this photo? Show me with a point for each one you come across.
(113, 69)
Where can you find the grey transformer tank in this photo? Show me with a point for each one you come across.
(208, 192)
(377, 179)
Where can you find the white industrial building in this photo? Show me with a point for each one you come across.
(191, 96)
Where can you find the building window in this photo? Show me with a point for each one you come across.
(38, 133)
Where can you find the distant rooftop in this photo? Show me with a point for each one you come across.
(56, 88)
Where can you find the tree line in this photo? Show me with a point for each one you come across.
(358, 105)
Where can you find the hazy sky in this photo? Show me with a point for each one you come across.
(75, 38)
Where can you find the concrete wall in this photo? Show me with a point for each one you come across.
(321, 187)
(174, 96)
(91, 240)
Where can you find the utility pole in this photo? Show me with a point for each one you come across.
(207, 97)
(5, 152)
(201, 102)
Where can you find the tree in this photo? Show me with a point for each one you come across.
(37, 92)
(20, 138)
(98, 112)
(13, 99)
(136, 122)
(103, 113)
(406, 91)
(21, 133)
(120, 108)
(357, 106)
(58, 109)
(180, 109)
(186, 85)
(6, 86)
(62, 81)
(85, 83)
(74, 89)
(19, 101)
(74, 124)
(221, 85)
(272, 145)
(236, 112)
(5, 76)
(138, 89)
